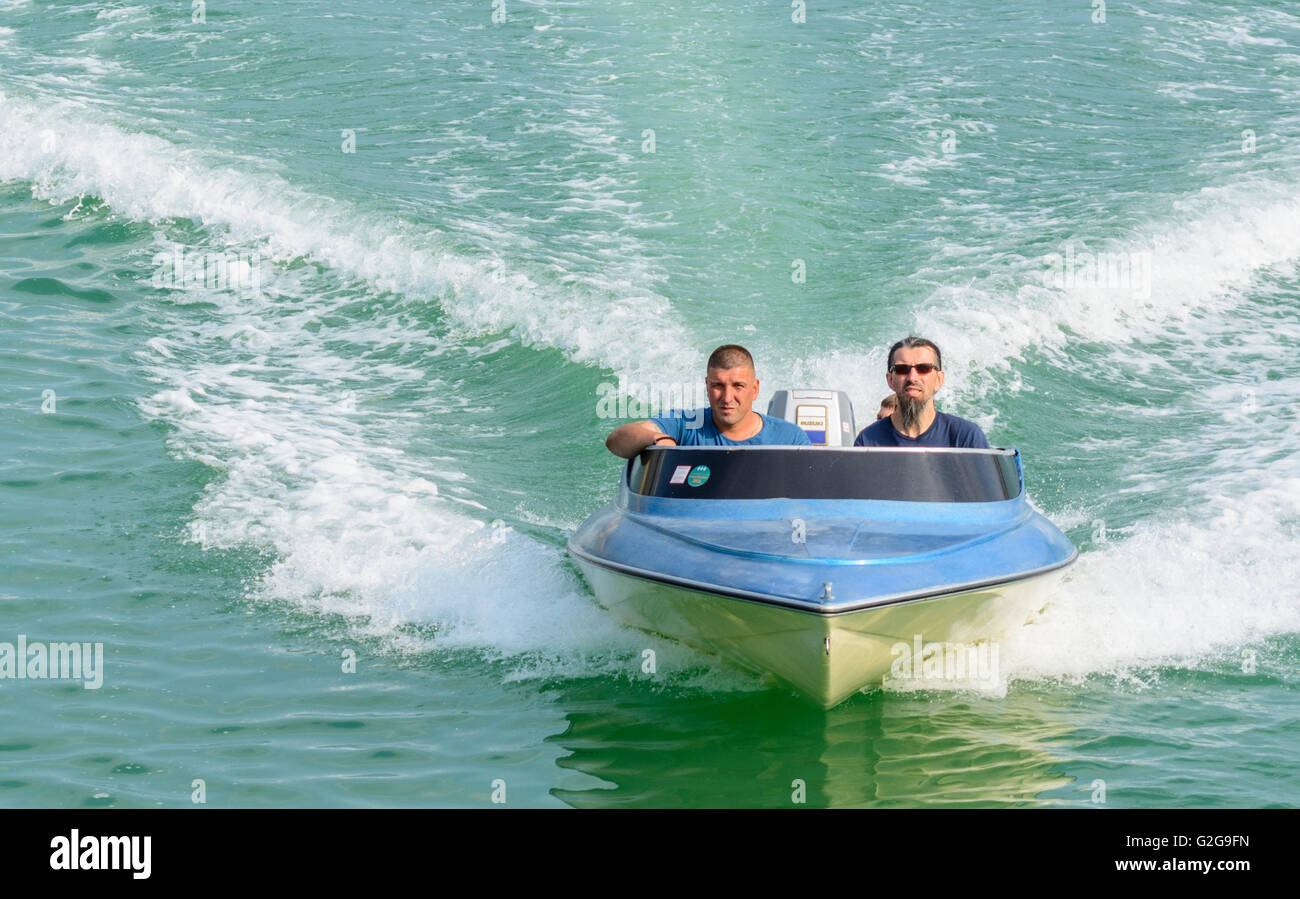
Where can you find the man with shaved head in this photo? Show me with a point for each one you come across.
(733, 387)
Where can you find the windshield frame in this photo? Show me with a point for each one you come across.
(897, 474)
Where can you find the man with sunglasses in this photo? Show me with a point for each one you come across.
(915, 373)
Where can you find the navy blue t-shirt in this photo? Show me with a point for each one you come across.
(945, 430)
(775, 431)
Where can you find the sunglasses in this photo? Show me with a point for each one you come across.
(902, 369)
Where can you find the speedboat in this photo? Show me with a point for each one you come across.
(822, 565)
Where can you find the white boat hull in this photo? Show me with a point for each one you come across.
(826, 657)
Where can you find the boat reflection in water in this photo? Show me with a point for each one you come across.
(817, 564)
(654, 745)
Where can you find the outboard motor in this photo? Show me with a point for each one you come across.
(826, 416)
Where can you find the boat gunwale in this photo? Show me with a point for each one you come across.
(825, 609)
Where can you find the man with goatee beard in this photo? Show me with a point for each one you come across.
(915, 373)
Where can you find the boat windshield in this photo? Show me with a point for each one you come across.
(908, 475)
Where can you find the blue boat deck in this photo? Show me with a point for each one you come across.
(786, 550)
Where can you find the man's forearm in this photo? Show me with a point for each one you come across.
(629, 439)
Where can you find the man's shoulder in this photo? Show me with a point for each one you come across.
(686, 426)
(878, 433)
(945, 430)
(963, 432)
(778, 430)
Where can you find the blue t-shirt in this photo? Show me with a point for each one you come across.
(679, 427)
(945, 430)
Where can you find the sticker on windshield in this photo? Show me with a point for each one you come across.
(679, 474)
(699, 474)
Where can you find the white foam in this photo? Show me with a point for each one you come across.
(150, 179)
(159, 345)
(353, 526)
(941, 152)
(308, 473)
(353, 530)
(1173, 593)
(1204, 258)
